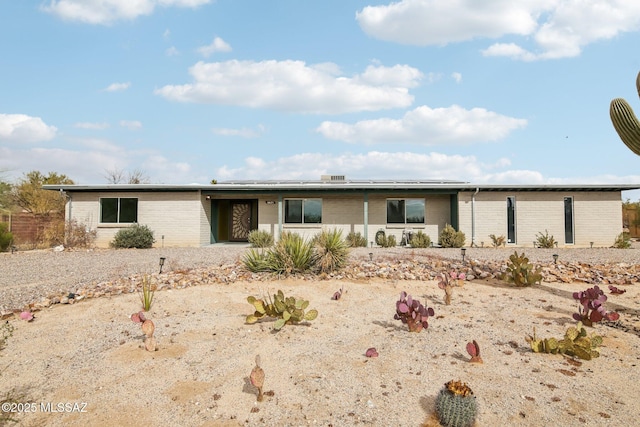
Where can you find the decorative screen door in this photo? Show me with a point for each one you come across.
(240, 221)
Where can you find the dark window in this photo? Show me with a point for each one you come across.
(118, 210)
(405, 211)
(303, 211)
(511, 220)
(568, 220)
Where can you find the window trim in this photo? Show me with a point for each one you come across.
(405, 223)
(118, 211)
(302, 213)
(573, 220)
(515, 220)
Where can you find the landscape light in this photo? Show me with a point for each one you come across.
(463, 250)
(161, 263)
(370, 256)
(555, 258)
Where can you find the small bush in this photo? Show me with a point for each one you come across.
(136, 236)
(78, 235)
(450, 238)
(260, 239)
(331, 250)
(6, 238)
(420, 240)
(356, 240)
(623, 241)
(545, 241)
(497, 241)
(389, 242)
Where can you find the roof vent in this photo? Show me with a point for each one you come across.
(333, 178)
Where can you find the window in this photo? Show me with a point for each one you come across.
(568, 220)
(511, 219)
(303, 211)
(118, 210)
(405, 211)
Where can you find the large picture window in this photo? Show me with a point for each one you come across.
(405, 211)
(303, 211)
(118, 210)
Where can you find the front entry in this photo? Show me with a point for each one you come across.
(233, 219)
(240, 221)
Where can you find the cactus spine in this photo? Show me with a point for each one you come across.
(625, 122)
(456, 405)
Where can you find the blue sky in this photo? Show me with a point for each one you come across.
(192, 90)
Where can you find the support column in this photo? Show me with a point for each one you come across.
(366, 216)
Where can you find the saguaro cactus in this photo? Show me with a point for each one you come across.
(625, 122)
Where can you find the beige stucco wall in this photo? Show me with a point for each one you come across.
(597, 216)
(184, 217)
(178, 216)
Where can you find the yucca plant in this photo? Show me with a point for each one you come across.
(331, 250)
(260, 239)
(147, 293)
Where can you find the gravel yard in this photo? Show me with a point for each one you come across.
(27, 276)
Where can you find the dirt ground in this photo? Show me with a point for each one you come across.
(85, 364)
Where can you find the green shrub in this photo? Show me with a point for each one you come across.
(545, 241)
(623, 241)
(450, 238)
(260, 239)
(331, 250)
(356, 240)
(5, 237)
(137, 236)
(420, 240)
(291, 254)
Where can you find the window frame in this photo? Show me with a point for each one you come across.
(512, 227)
(120, 210)
(404, 212)
(571, 230)
(303, 214)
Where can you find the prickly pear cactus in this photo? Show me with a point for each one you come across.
(456, 405)
(285, 309)
(520, 272)
(575, 343)
(625, 122)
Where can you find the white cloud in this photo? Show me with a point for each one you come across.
(427, 126)
(115, 87)
(106, 12)
(388, 165)
(172, 51)
(456, 76)
(295, 86)
(23, 128)
(91, 126)
(243, 132)
(167, 34)
(558, 28)
(217, 45)
(131, 124)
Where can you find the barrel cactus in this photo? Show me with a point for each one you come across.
(625, 122)
(456, 405)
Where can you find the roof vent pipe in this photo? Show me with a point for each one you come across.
(473, 218)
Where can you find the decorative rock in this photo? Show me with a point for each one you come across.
(64, 300)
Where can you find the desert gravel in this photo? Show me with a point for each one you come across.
(28, 276)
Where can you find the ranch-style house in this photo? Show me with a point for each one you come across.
(201, 215)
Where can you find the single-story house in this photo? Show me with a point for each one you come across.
(200, 215)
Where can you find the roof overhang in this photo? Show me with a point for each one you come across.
(264, 187)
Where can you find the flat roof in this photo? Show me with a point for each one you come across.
(346, 185)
